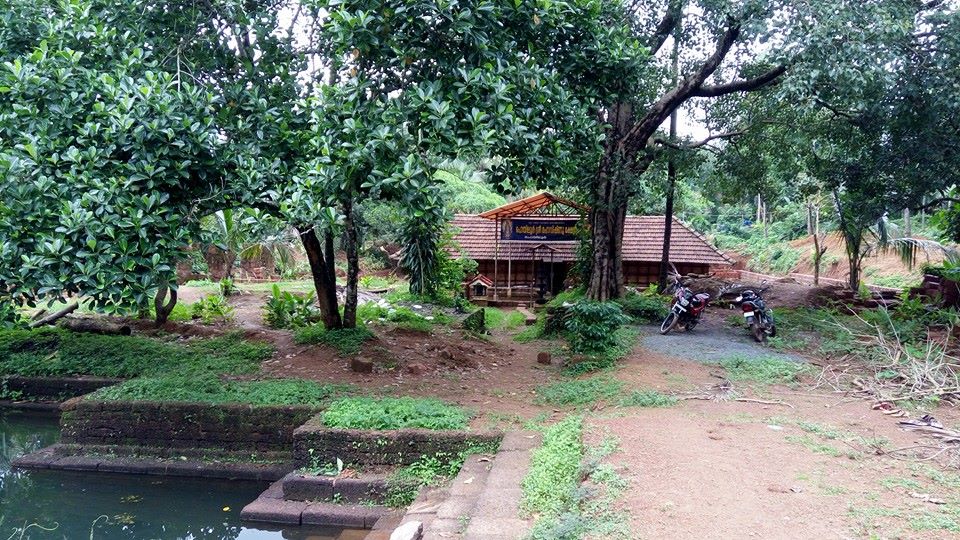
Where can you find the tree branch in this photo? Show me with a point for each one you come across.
(935, 202)
(745, 85)
(670, 20)
(669, 102)
(699, 144)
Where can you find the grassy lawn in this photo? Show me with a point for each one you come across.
(54, 352)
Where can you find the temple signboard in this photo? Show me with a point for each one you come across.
(550, 230)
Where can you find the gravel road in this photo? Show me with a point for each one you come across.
(711, 341)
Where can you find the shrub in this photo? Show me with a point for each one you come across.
(227, 287)
(346, 341)
(591, 326)
(212, 307)
(586, 363)
(578, 391)
(644, 307)
(394, 413)
(288, 310)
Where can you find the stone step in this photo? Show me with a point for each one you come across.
(482, 502)
(496, 514)
(54, 457)
(271, 507)
(529, 319)
(364, 488)
(442, 511)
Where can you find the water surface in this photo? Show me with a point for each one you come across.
(54, 505)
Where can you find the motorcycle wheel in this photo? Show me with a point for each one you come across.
(758, 333)
(668, 323)
(691, 325)
(772, 331)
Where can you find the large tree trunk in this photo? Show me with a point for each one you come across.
(606, 272)
(353, 266)
(164, 309)
(322, 281)
(609, 211)
(95, 326)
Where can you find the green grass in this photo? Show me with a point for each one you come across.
(52, 352)
(405, 483)
(578, 391)
(647, 398)
(533, 332)
(552, 490)
(548, 488)
(499, 319)
(346, 341)
(210, 388)
(765, 370)
(394, 413)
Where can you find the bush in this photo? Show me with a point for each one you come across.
(645, 307)
(212, 307)
(591, 327)
(288, 310)
(346, 341)
(579, 391)
(394, 413)
(586, 363)
(227, 287)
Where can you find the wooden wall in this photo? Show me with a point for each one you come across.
(636, 273)
(641, 274)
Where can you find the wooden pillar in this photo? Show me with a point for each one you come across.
(496, 260)
(509, 270)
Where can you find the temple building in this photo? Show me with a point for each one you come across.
(525, 249)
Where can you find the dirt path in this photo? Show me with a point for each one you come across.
(709, 469)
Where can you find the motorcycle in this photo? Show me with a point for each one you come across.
(757, 315)
(685, 309)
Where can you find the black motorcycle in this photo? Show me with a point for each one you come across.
(758, 316)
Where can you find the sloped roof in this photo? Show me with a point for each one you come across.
(642, 241)
(530, 204)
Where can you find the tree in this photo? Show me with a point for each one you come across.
(874, 116)
(104, 160)
(413, 84)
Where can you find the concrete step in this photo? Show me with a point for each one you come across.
(496, 514)
(482, 502)
(364, 488)
(271, 507)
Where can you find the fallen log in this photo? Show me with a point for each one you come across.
(54, 317)
(95, 326)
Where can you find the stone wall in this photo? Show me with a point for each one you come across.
(225, 427)
(55, 388)
(313, 442)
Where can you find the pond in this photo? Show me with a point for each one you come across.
(58, 505)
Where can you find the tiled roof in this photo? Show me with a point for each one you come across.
(642, 241)
(530, 204)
